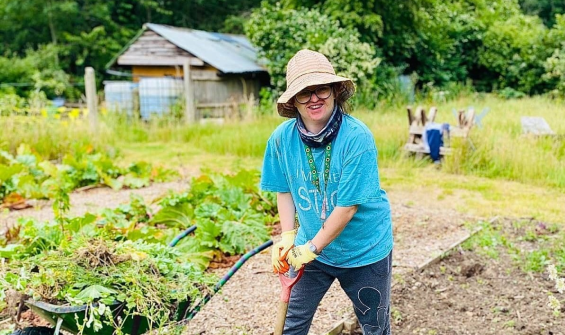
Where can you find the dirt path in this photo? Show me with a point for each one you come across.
(91, 200)
(247, 303)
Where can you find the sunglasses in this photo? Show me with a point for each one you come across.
(322, 92)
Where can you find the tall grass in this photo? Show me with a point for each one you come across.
(241, 138)
(503, 151)
(497, 149)
(52, 138)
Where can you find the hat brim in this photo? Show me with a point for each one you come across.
(285, 106)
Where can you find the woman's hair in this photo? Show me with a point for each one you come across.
(340, 92)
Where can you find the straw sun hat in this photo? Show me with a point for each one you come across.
(309, 68)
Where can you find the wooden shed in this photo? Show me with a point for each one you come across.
(216, 71)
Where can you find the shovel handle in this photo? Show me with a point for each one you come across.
(287, 284)
(281, 317)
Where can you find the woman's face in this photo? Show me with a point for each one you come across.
(315, 104)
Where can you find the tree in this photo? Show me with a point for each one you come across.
(515, 50)
(545, 9)
(279, 33)
(555, 64)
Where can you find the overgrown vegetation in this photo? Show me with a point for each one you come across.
(492, 44)
(120, 256)
(147, 279)
(496, 149)
(279, 33)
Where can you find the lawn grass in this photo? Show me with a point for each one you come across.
(185, 157)
(478, 196)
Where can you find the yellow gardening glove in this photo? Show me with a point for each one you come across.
(280, 249)
(300, 256)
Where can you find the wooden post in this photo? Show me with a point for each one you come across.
(423, 117)
(190, 112)
(410, 116)
(432, 115)
(91, 98)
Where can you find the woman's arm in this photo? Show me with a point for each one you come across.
(287, 211)
(334, 225)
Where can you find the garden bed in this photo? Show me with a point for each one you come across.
(494, 283)
(489, 289)
(247, 303)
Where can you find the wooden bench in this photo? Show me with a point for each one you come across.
(465, 122)
(416, 126)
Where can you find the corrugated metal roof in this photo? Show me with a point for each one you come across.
(227, 53)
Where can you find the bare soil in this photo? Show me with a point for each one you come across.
(470, 293)
(91, 200)
(462, 294)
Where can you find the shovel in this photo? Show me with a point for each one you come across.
(287, 284)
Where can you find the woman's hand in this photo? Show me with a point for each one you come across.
(280, 251)
(300, 256)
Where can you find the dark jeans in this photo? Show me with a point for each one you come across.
(368, 287)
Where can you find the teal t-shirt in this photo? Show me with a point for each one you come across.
(353, 180)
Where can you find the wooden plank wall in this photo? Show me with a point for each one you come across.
(151, 44)
(218, 98)
(156, 71)
(208, 91)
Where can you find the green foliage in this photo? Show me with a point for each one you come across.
(510, 93)
(231, 217)
(90, 33)
(279, 33)
(229, 212)
(555, 71)
(48, 45)
(26, 176)
(547, 10)
(445, 51)
(388, 24)
(555, 64)
(39, 68)
(514, 51)
(365, 16)
(120, 256)
(440, 42)
(145, 278)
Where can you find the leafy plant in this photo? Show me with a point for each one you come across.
(120, 256)
(26, 176)
(230, 214)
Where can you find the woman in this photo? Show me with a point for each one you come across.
(323, 165)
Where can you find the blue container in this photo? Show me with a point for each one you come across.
(120, 96)
(158, 95)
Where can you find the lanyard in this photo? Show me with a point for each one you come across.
(316, 179)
